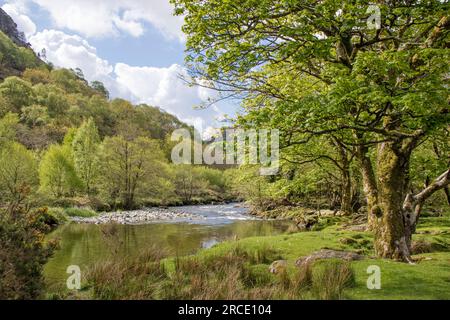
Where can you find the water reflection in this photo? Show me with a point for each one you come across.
(84, 245)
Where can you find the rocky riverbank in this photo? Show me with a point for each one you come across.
(143, 216)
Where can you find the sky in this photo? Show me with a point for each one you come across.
(135, 47)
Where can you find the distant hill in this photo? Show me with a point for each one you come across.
(50, 101)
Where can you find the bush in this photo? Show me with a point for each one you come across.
(23, 254)
(58, 214)
(52, 217)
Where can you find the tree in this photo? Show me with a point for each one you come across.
(36, 76)
(131, 169)
(189, 182)
(85, 147)
(383, 87)
(100, 88)
(17, 92)
(18, 174)
(57, 172)
(8, 126)
(53, 98)
(34, 115)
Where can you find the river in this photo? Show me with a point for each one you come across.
(83, 244)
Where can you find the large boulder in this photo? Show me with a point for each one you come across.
(328, 254)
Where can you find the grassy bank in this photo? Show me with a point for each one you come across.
(240, 269)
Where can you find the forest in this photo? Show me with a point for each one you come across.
(364, 122)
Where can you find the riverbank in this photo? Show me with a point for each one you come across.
(57, 216)
(308, 219)
(241, 269)
(147, 215)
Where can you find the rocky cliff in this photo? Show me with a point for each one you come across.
(9, 27)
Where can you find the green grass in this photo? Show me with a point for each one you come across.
(427, 279)
(78, 212)
(240, 270)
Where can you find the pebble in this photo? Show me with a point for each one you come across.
(138, 217)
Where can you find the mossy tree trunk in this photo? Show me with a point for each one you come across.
(393, 231)
(399, 210)
(369, 186)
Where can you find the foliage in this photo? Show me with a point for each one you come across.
(131, 170)
(18, 174)
(85, 152)
(23, 254)
(17, 92)
(8, 125)
(319, 69)
(14, 57)
(57, 172)
(34, 115)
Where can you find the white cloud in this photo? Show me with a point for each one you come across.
(109, 17)
(24, 23)
(163, 87)
(71, 51)
(130, 26)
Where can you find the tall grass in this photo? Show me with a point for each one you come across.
(234, 275)
(330, 278)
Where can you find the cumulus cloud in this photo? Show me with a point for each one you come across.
(110, 17)
(24, 23)
(71, 51)
(164, 87)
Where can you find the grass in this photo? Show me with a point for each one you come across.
(233, 275)
(240, 269)
(79, 212)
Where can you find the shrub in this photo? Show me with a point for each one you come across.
(23, 254)
(53, 217)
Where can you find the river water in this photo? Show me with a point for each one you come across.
(84, 244)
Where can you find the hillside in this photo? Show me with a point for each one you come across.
(65, 143)
(15, 53)
(48, 101)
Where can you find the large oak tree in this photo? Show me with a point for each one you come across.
(384, 87)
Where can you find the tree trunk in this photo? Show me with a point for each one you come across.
(393, 231)
(346, 183)
(413, 204)
(346, 192)
(370, 187)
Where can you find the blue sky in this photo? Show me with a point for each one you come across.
(136, 47)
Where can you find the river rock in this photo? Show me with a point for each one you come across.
(139, 217)
(328, 254)
(278, 266)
